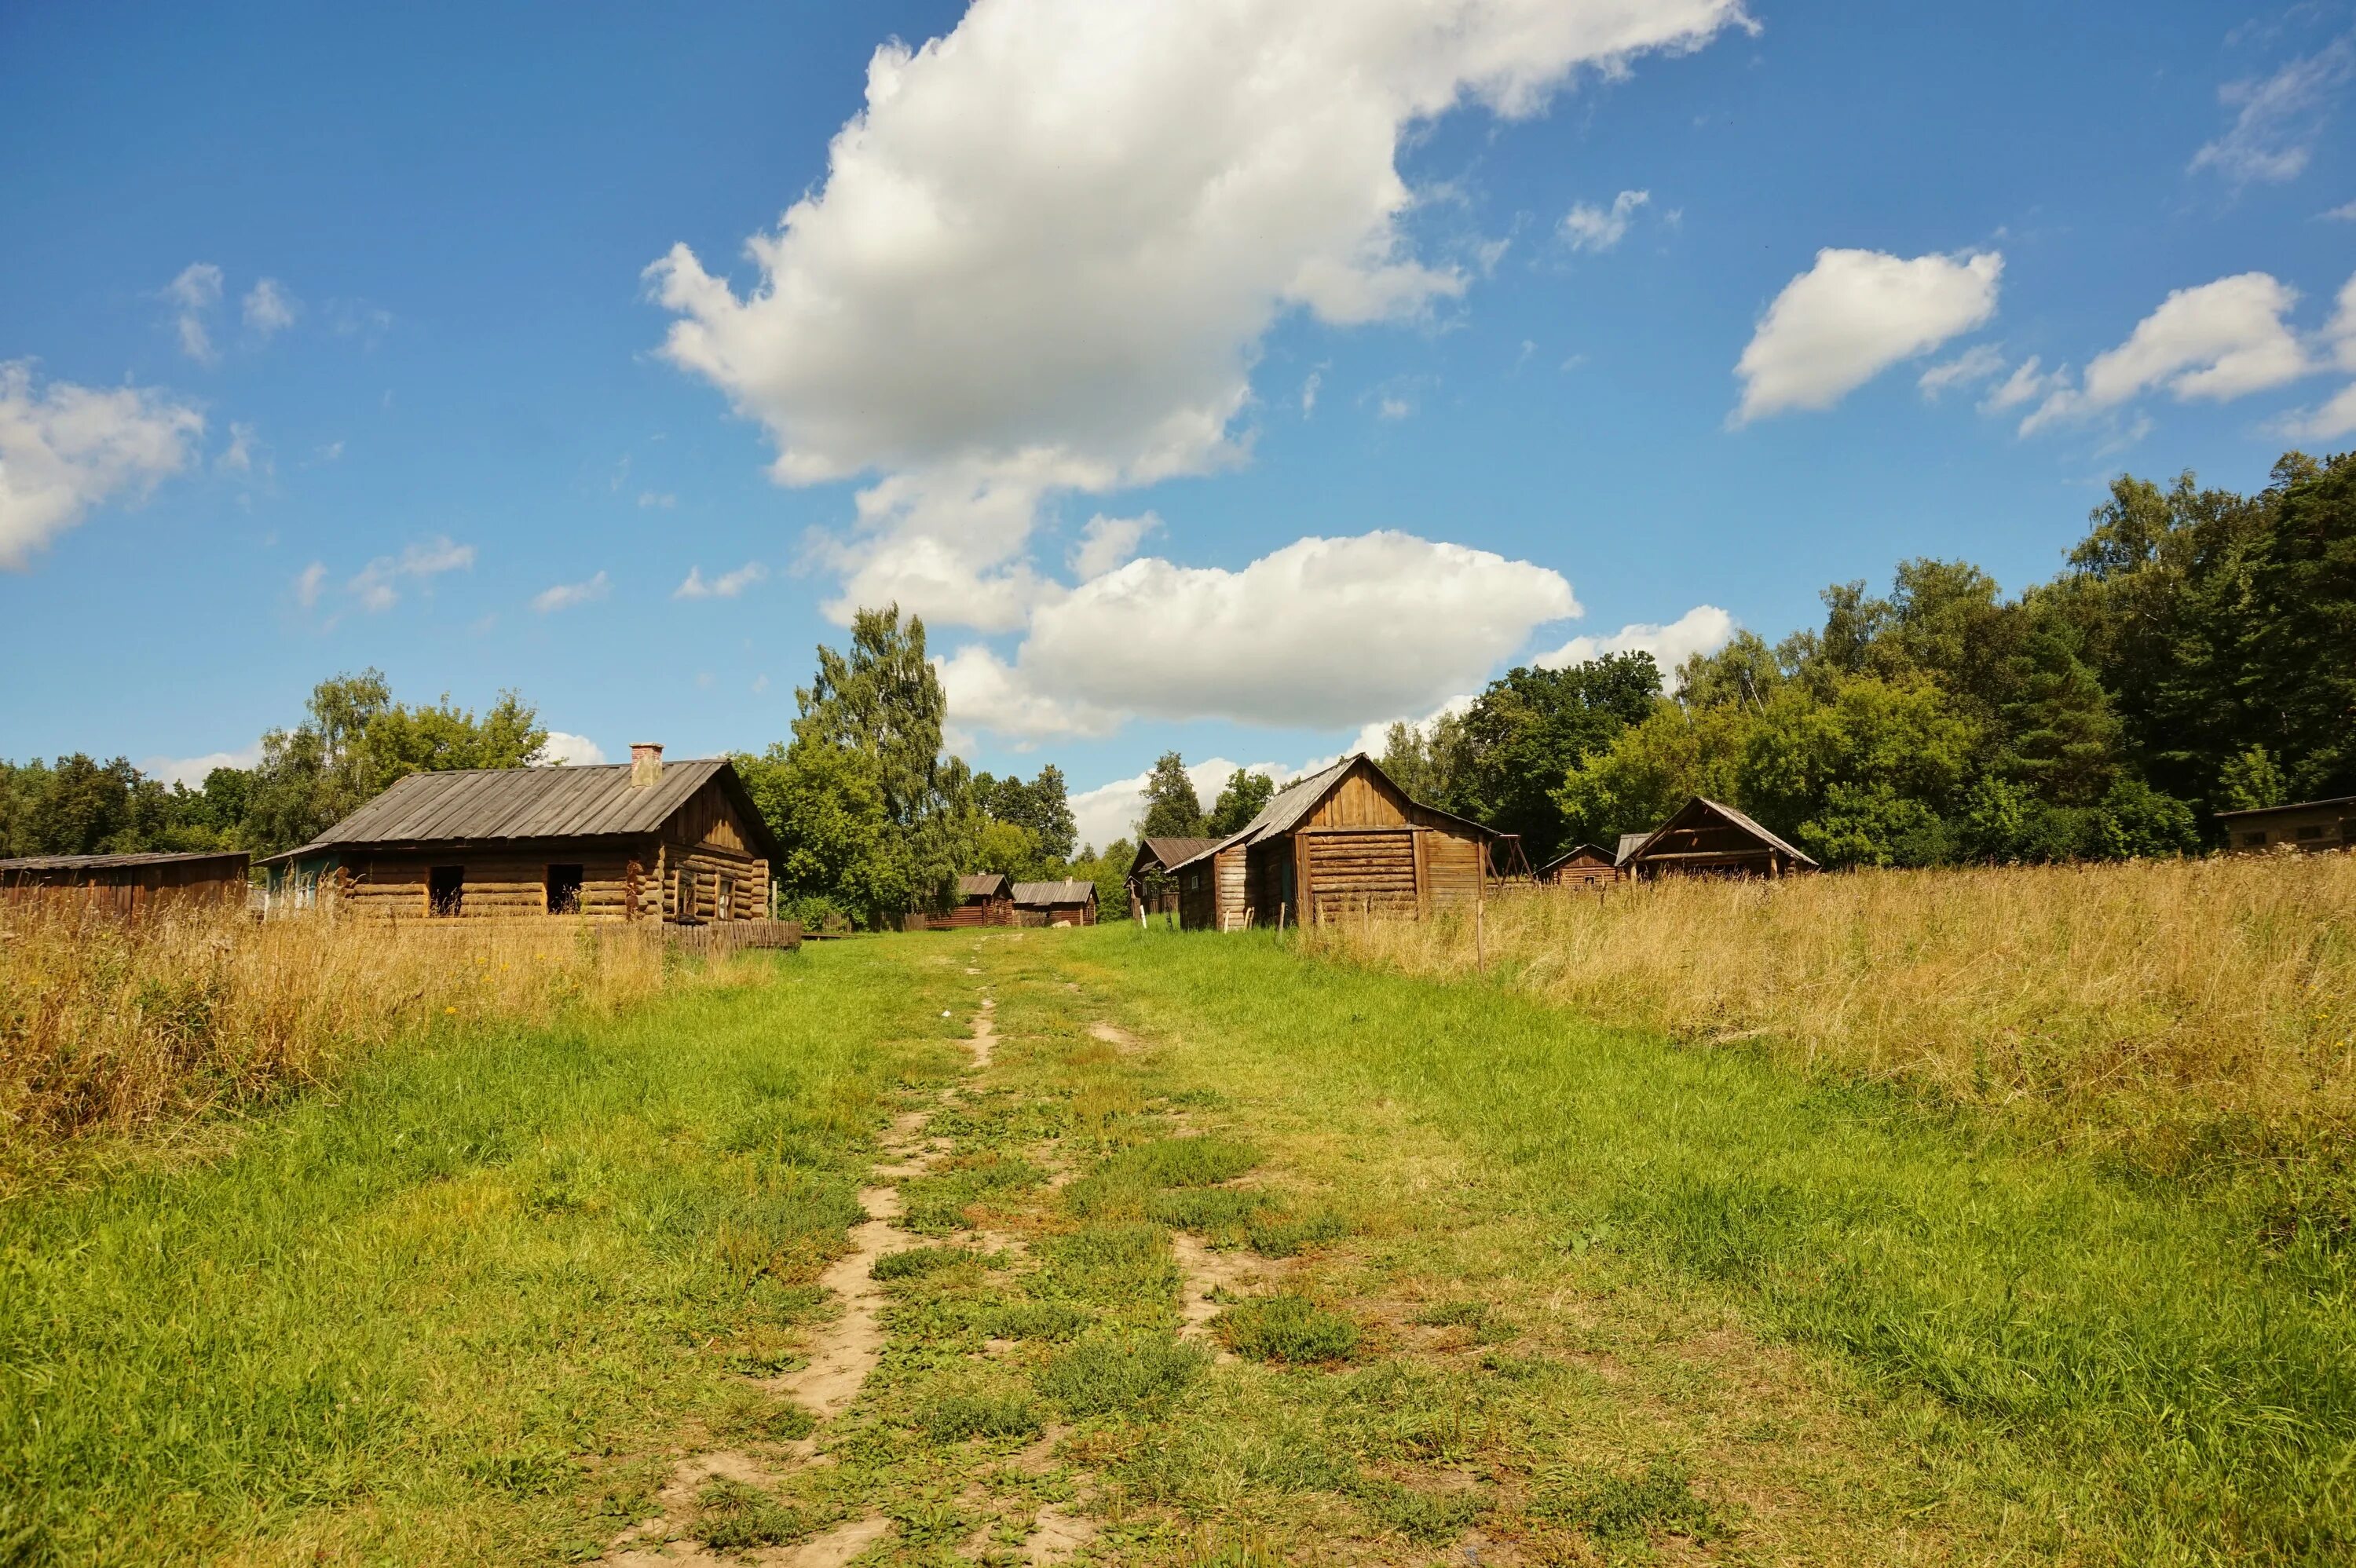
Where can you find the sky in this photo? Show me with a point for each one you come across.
(1233, 376)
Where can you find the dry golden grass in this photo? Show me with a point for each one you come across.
(107, 1027)
(2149, 1000)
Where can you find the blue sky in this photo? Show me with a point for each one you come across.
(333, 341)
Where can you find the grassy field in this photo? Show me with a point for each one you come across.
(1225, 1253)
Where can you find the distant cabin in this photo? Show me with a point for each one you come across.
(983, 899)
(127, 885)
(678, 843)
(1344, 843)
(1583, 867)
(2310, 826)
(1055, 904)
(1708, 839)
(1150, 882)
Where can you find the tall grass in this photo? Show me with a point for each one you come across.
(109, 1026)
(2163, 1003)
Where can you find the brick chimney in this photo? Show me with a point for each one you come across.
(645, 763)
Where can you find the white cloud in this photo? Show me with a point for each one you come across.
(2028, 382)
(239, 457)
(191, 771)
(727, 585)
(65, 449)
(2337, 417)
(2279, 117)
(308, 584)
(1969, 368)
(1394, 409)
(1046, 252)
(657, 501)
(1317, 379)
(565, 595)
(269, 308)
(1590, 227)
(577, 751)
(377, 584)
(1704, 629)
(1108, 543)
(1854, 314)
(2344, 213)
(1374, 737)
(2219, 341)
(1322, 633)
(195, 292)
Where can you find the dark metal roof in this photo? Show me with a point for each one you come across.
(475, 806)
(1168, 853)
(1070, 893)
(118, 863)
(1732, 815)
(982, 885)
(2294, 806)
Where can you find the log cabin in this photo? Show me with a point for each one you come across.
(1069, 903)
(983, 899)
(1150, 882)
(1583, 867)
(1708, 839)
(128, 885)
(1343, 843)
(679, 844)
(2308, 826)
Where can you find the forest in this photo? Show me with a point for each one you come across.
(2193, 655)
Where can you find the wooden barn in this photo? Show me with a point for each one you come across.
(128, 885)
(983, 899)
(679, 843)
(1055, 904)
(1150, 880)
(1707, 839)
(2308, 826)
(1583, 867)
(1344, 843)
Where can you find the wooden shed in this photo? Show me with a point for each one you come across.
(1708, 839)
(1150, 880)
(1343, 843)
(2310, 826)
(1072, 902)
(128, 884)
(983, 899)
(680, 843)
(1583, 867)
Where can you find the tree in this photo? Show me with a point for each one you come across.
(1653, 768)
(1043, 806)
(825, 807)
(1524, 734)
(1173, 809)
(1238, 803)
(2295, 645)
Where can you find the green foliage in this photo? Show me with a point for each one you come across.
(1289, 1236)
(916, 1262)
(2250, 781)
(1173, 809)
(1507, 758)
(1238, 803)
(1659, 1501)
(733, 1517)
(953, 1418)
(1118, 1375)
(1041, 808)
(1291, 1328)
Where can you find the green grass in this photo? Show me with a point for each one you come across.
(1107, 1375)
(386, 1323)
(1286, 1328)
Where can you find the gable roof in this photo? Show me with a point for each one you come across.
(1296, 800)
(1573, 853)
(1065, 892)
(2294, 806)
(1629, 844)
(981, 884)
(1167, 852)
(475, 805)
(121, 862)
(1732, 815)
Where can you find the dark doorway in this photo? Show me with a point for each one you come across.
(445, 890)
(564, 889)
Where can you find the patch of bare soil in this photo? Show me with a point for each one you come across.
(1057, 1535)
(1117, 1037)
(836, 1547)
(1202, 1272)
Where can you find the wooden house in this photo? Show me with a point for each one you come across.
(2310, 826)
(1343, 843)
(1150, 880)
(1055, 904)
(983, 899)
(128, 885)
(1583, 867)
(679, 843)
(1708, 839)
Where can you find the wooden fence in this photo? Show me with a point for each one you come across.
(723, 936)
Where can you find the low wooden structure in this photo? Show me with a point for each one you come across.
(680, 844)
(1344, 843)
(1072, 902)
(128, 885)
(1150, 880)
(1583, 867)
(1710, 838)
(2308, 826)
(983, 899)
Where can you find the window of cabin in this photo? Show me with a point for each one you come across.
(724, 907)
(564, 889)
(445, 890)
(2315, 832)
(2254, 841)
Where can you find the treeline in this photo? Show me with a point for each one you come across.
(352, 742)
(2197, 654)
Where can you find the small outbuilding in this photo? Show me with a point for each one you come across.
(681, 843)
(128, 885)
(983, 899)
(1343, 843)
(1071, 902)
(2310, 826)
(1150, 880)
(1710, 838)
(1583, 867)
